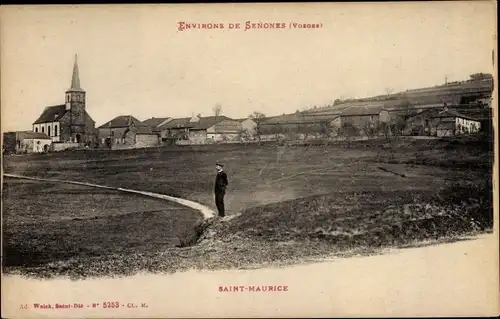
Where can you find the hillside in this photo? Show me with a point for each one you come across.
(452, 93)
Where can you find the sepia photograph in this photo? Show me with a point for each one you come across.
(249, 160)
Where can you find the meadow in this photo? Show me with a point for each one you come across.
(285, 204)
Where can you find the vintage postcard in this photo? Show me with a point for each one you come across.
(249, 160)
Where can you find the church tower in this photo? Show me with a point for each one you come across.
(75, 106)
(75, 96)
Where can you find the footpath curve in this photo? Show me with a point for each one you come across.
(206, 211)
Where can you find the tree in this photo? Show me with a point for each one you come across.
(385, 129)
(389, 90)
(369, 129)
(217, 109)
(256, 115)
(245, 136)
(480, 76)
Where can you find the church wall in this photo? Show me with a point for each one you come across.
(52, 129)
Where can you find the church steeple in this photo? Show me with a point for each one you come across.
(75, 96)
(75, 79)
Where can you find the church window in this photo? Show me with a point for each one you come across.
(36, 129)
(43, 129)
(55, 130)
(48, 131)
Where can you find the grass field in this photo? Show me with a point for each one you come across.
(285, 203)
(44, 222)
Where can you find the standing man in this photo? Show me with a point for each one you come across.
(220, 188)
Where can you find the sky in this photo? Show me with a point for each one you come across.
(133, 60)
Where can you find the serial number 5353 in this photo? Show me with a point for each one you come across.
(111, 304)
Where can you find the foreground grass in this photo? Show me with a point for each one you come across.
(287, 205)
(44, 222)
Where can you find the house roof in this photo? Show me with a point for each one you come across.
(156, 121)
(244, 119)
(122, 121)
(360, 110)
(299, 118)
(454, 113)
(144, 130)
(208, 121)
(473, 114)
(51, 114)
(477, 113)
(204, 122)
(179, 122)
(26, 135)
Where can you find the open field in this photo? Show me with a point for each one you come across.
(44, 222)
(286, 204)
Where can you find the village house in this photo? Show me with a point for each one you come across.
(68, 123)
(364, 119)
(26, 142)
(201, 130)
(157, 125)
(299, 126)
(248, 127)
(125, 131)
(447, 121)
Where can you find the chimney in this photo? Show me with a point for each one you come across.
(194, 119)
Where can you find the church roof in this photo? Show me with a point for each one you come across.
(51, 114)
(122, 121)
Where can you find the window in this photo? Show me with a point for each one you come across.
(55, 130)
(48, 131)
(36, 129)
(43, 129)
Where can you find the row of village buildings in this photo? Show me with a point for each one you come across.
(69, 125)
(357, 121)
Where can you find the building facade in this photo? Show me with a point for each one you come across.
(124, 132)
(202, 130)
(26, 142)
(157, 124)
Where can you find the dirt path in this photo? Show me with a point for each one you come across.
(207, 212)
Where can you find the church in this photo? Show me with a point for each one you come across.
(69, 122)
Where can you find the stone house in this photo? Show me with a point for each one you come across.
(364, 119)
(157, 125)
(26, 142)
(248, 126)
(125, 131)
(446, 121)
(298, 126)
(202, 130)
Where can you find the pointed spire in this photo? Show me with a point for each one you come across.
(75, 80)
